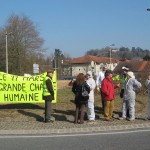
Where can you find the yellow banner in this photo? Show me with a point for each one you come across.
(22, 89)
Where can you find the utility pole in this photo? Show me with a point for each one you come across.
(6, 53)
(6, 37)
(110, 52)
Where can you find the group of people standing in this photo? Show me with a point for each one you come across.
(106, 87)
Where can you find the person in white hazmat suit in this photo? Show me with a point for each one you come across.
(129, 96)
(99, 79)
(91, 82)
(147, 84)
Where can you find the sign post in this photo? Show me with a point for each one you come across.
(35, 68)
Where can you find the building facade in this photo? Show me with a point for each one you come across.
(86, 63)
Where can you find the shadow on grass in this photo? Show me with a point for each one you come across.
(63, 115)
(140, 118)
(72, 101)
(21, 106)
(59, 117)
(31, 114)
(99, 111)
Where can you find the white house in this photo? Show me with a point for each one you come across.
(88, 62)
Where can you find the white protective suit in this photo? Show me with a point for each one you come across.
(99, 79)
(129, 97)
(91, 82)
(147, 83)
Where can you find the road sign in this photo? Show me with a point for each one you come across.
(35, 68)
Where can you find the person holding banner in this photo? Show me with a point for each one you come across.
(48, 95)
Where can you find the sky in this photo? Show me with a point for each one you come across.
(76, 26)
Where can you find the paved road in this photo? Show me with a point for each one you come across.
(121, 140)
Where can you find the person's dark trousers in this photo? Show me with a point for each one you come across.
(128, 113)
(76, 114)
(80, 113)
(103, 102)
(48, 105)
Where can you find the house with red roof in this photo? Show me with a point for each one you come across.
(137, 66)
(140, 68)
(88, 62)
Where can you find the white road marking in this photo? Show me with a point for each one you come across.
(74, 135)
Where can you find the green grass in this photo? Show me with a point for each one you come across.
(65, 103)
(65, 96)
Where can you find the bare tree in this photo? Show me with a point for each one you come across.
(24, 44)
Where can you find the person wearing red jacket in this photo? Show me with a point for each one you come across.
(108, 94)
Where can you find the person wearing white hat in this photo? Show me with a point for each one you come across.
(125, 70)
(129, 96)
(91, 82)
(122, 78)
(147, 83)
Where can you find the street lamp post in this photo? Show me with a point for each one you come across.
(6, 54)
(110, 54)
(6, 34)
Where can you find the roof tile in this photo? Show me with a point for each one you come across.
(89, 58)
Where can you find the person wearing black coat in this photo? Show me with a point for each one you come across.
(80, 101)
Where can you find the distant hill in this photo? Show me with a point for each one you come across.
(122, 52)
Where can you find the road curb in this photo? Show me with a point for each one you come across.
(75, 130)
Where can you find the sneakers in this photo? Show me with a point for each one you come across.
(122, 118)
(49, 121)
(101, 116)
(110, 120)
(91, 120)
(148, 118)
(130, 119)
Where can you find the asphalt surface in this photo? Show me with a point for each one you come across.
(121, 140)
(32, 126)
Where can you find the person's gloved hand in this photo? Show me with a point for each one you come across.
(98, 88)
